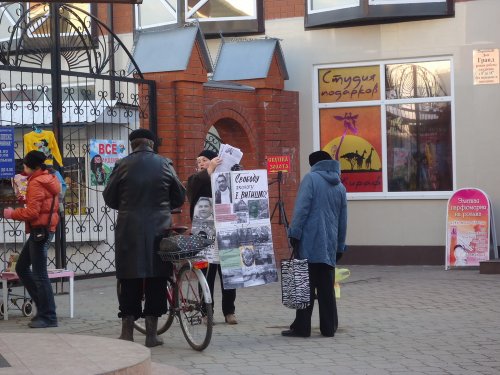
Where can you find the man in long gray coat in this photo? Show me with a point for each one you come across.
(318, 233)
(144, 188)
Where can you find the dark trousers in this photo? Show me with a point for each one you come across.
(132, 291)
(321, 279)
(36, 279)
(228, 295)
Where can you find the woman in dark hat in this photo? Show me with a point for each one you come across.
(40, 212)
(318, 233)
(199, 185)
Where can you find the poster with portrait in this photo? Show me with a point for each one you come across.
(203, 225)
(104, 153)
(242, 222)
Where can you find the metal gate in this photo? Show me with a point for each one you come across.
(60, 91)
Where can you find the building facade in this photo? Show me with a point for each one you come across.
(391, 88)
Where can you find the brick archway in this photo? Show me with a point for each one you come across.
(234, 126)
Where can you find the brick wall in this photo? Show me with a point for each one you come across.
(261, 123)
(274, 9)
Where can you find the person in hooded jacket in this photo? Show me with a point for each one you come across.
(144, 188)
(41, 196)
(318, 234)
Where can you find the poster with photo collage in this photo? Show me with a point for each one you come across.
(243, 228)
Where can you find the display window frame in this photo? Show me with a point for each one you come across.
(345, 108)
(375, 12)
(211, 26)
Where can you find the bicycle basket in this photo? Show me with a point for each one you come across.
(172, 256)
(182, 246)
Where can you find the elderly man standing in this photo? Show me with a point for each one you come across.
(318, 234)
(144, 188)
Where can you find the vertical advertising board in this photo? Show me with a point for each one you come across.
(467, 228)
(7, 162)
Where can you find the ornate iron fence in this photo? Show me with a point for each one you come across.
(65, 110)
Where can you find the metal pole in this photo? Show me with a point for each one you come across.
(111, 43)
(56, 83)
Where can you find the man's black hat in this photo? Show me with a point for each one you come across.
(141, 133)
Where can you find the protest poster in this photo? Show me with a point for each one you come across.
(104, 153)
(203, 225)
(230, 156)
(243, 227)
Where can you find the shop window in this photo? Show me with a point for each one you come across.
(320, 13)
(390, 126)
(229, 17)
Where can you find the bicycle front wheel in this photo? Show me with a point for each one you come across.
(195, 316)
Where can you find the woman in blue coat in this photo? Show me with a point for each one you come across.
(318, 233)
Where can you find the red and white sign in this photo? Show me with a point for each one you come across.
(277, 164)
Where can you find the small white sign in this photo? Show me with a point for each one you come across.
(486, 66)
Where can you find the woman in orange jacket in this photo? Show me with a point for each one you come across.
(41, 209)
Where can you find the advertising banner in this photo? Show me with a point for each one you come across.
(277, 164)
(467, 228)
(353, 137)
(104, 153)
(7, 162)
(243, 227)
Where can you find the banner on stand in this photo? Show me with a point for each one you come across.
(468, 228)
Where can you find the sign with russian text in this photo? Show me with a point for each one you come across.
(486, 66)
(467, 228)
(104, 153)
(243, 228)
(277, 164)
(353, 84)
(7, 162)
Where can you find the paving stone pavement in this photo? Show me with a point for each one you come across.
(392, 320)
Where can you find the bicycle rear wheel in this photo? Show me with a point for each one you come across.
(195, 316)
(165, 321)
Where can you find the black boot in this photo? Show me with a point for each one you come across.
(127, 328)
(152, 338)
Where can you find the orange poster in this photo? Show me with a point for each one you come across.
(353, 137)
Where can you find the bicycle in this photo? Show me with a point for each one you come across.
(188, 297)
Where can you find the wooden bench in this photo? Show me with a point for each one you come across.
(7, 277)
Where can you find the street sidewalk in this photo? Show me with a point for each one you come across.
(392, 320)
